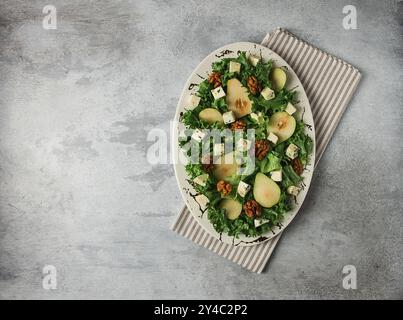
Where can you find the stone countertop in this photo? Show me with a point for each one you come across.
(77, 191)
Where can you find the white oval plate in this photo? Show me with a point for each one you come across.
(304, 111)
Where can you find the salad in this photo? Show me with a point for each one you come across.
(248, 178)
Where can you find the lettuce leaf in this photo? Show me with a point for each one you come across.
(270, 163)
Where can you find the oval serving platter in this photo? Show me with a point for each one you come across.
(201, 72)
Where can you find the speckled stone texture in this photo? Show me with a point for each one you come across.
(77, 192)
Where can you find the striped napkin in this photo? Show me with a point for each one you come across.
(329, 84)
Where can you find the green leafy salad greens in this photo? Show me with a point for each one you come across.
(255, 98)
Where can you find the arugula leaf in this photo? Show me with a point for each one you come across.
(205, 94)
(259, 127)
(242, 225)
(262, 72)
(280, 149)
(278, 103)
(220, 105)
(303, 141)
(275, 214)
(221, 66)
(290, 178)
(194, 170)
(243, 60)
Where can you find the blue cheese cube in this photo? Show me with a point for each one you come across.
(194, 100)
(272, 138)
(243, 189)
(254, 60)
(259, 222)
(267, 93)
(202, 200)
(243, 145)
(234, 66)
(201, 180)
(229, 117)
(218, 93)
(293, 190)
(277, 175)
(292, 151)
(198, 135)
(290, 109)
(218, 149)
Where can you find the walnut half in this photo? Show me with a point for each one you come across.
(261, 148)
(252, 209)
(215, 79)
(297, 166)
(238, 125)
(253, 85)
(224, 188)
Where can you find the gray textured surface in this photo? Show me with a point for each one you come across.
(77, 192)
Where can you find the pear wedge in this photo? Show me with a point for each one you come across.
(278, 78)
(225, 167)
(211, 115)
(282, 125)
(266, 191)
(237, 98)
(232, 208)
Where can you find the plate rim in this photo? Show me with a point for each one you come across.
(175, 146)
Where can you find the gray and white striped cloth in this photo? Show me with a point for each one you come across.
(329, 83)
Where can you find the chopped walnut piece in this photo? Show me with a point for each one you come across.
(224, 188)
(261, 149)
(297, 166)
(253, 85)
(215, 79)
(252, 209)
(238, 125)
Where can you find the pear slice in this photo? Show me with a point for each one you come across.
(282, 125)
(266, 191)
(226, 166)
(232, 208)
(237, 98)
(278, 78)
(211, 115)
